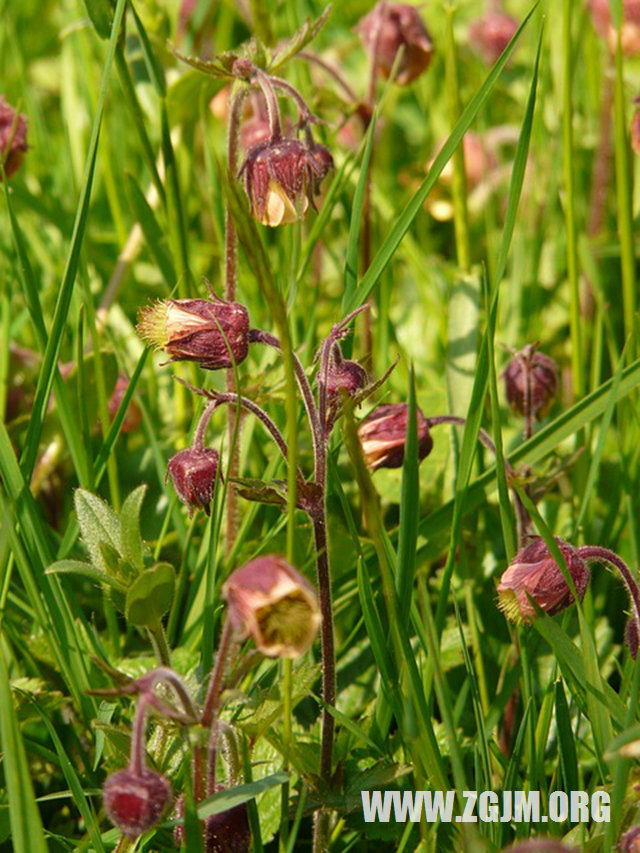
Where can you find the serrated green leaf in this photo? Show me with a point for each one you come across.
(150, 595)
(98, 524)
(132, 544)
(305, 35)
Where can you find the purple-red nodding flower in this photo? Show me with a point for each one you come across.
(193, 473)
(630, 31)
(273, 603)
(13, 138)
(134, 802)
(394, 32)
(537, 371)
(490, 34)
(383, 436)
(281, 178)
(534, 572)
(212, 332)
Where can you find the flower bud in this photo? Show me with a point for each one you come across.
(269, 600)
(212, 332)
(193, 473)
(390, 27)
(534, 572)
(13, 137)
(383, 436)
(281, 178)
(630, 33)
(346, 376)
(542, 376)
(133, 415)
(490, 34)
(134, 802)
(630, 841)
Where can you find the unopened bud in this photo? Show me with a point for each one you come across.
(346, 376)
(271, 601)
(134, 802)
(383, 436)
(490, 34)
(534, 572)
(193, 473)
(281, 178)
(13, 137)
(630, 31)
(538, 371)
(212, 332)
(393, 27)
(228, 831)
(133, 415)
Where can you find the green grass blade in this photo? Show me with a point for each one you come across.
(409, 508)
(27, 834)
(65, 293)
(403, 222)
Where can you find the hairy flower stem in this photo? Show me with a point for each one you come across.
(273, 110)
(215, 685)
(137, 760)
(604, 555)
(231, 276)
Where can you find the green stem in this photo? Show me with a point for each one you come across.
(459, 181)
(160, 645)
(577, 360)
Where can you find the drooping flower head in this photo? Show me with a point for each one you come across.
(383, 436)
(134, 802)
(271, 601)
(13, 138)
(393, 27)
(490, 34)
(193, 473)
(539, 371)
(534, 572)
(212, 332)
(281, 178)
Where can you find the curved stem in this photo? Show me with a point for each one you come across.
(271, 99)
(235, 399)
(327, 641)
(215, 685)
(260, 337)
(595, 552)
(331, 70)
(164, 673)
(137, 761)
(305, 114)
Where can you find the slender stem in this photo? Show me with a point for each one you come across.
(160, 644)
(305, 114)
(165, 673)
(212, 758)
(258, 336)
(233, 400)
(577, 361)
(215, 685)
(137, 760)
(595, 552)
(231, 276)
(332, 70)
(273, 110)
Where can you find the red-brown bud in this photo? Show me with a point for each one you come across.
(228, 831)
(538, 371)
(193, 473)
(13, 137)
(271, 601)
(387, 29)
(383, 436)
(346, 376)
(490, 34)
(212, 332)
(133, 415)
(630, 34)
(281, 178)
(534, 572)
(134, 802)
